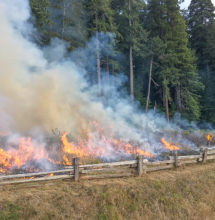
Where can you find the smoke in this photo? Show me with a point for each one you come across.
(47, 89)
(35, 91)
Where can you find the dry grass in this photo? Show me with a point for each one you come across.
(179, 194)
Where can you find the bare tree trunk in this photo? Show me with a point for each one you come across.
(166, 103)
(131, 75)
(178, 98)
(98, 59)
(131, 60)
(149, 84)
(64, 14)
(108, 70)
(155, 106)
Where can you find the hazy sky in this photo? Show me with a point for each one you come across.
(187, 2)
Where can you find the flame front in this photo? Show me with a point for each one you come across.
(97, 145)
(72, 148)
(104, 147)
(169, 146)
(17, 157)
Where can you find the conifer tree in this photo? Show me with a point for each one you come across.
(67, 21)
(132, 34)
(201, 23)
(100, 19)
(176, 72)
(41, 15)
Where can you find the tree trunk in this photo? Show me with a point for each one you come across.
(98, 59)
(155, 106)
(166, 103)
(131, 75)
(64, 14)
(131, 60)
(107, 70)
(178, 98)
(149, 84)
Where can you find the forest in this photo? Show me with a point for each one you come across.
(167, 54)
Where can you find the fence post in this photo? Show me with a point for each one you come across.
(144, 166)
(75, 164)
(176, 163)
(204, 155)
(140, 165)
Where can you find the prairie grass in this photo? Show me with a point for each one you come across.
(177, 194)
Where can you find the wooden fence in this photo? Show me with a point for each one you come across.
(136, 167)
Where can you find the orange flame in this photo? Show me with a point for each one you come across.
(17, 157)
(209, 137)
(86, 149)
(169, 146)
(96, 145)
(72, 148)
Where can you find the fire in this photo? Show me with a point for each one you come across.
(209, 137)
(51, 174)
(5, 159)
(72, 148)
(1, 170)
(97, 144)
(143, 153)
(169, 146)
(92, 148)
(17, 157)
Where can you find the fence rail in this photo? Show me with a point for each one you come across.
(137, 167)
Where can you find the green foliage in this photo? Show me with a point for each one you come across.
(67, 21)
(154, 30)
(40, 11)
(99, 16)
(201, 23)
(132, 34)
(174, 63)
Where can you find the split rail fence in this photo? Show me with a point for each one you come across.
(136, 167)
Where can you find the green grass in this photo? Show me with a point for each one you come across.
(9, 211)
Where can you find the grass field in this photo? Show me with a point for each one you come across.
(178, 194)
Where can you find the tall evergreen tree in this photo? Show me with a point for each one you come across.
(41, 15)
(201, 23)
(176, 70)
(201, 20)
(132, 36)
(100, 19)
(67, 21)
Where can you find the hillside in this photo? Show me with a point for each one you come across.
(178, 194)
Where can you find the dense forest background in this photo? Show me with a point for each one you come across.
(167, 53)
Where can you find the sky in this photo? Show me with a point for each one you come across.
(187, 2)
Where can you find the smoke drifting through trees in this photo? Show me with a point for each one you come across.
(142, 30)
(46, 89)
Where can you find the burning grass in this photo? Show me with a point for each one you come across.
(182, 194)
(31, 155)
(28, 154)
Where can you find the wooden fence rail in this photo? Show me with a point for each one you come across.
(136, 167)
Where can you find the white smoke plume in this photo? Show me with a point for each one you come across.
(42, 90)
